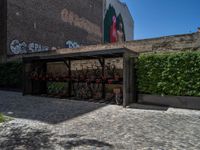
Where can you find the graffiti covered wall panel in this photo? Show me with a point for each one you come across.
(118, 23)
(35, 25)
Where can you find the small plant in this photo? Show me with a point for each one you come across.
(2, 119)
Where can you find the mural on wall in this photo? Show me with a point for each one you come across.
(118, 22)
(21, 47)
(113, 27)
(68, 27)
(65, 25)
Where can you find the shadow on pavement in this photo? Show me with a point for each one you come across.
(32, 139)
(25, 138)
(47, 110)
(84, 142)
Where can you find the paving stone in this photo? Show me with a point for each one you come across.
(65, 124)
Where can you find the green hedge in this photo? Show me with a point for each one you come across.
(11, 75)
(175, 73)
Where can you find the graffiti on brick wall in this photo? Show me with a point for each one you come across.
(71, 44)
(21, 47)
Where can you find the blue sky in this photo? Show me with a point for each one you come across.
(155, 18)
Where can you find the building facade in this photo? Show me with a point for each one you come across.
(3, 26)
(35, 26)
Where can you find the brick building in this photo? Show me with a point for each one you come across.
(35, 26)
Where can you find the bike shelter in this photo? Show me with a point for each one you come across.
(87, 75)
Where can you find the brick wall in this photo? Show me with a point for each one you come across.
(3, 14)
(37, 25)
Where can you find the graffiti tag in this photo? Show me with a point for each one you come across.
(17, 47)
(21, 47)
(71, 44)
(35, 47)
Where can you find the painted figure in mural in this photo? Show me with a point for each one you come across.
(113, 30)
(113, 26)
(120, 34)
(117, 30)
(120, 29)
(108, 21)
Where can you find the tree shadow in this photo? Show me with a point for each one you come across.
(19, 138)
(71, 136)
(85, 142)
(48, 110)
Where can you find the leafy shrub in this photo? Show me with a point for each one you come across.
(11, 75)
(56, 87)
(174, 73)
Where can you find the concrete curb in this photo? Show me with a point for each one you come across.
(171, 101)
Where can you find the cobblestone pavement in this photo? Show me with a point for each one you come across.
(45, 123)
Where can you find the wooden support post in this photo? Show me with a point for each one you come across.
(102, 62)
(45, 73)
(129, 79)
(27, 84)
(68, 64)
(24, 78)
(70, 80)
